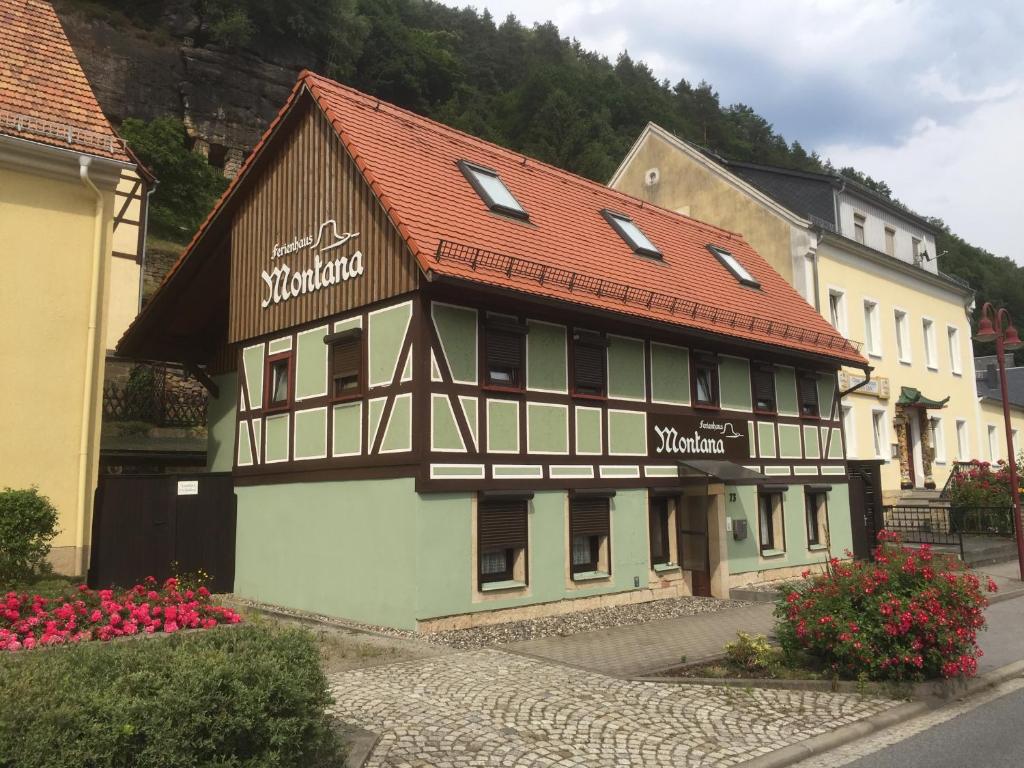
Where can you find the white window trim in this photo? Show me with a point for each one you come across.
(902, 335)
(843, 326)
(883, 439)
(931, 357)
(1015, 442)
(889, 229)
(939, 435)
(875, 321)
(963, 447)
(863, 225)
(993, 442)
(955, 360)
(849, 429)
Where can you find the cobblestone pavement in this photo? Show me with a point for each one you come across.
(489, 708)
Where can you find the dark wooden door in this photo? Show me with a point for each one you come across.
(145, 524)
(694, 556)
(865, 505)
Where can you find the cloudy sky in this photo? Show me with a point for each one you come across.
(925, 94)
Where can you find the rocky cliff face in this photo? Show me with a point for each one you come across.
(225, 99)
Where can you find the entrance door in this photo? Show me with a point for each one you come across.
(916, 458)
(693, 542)
(865, 506)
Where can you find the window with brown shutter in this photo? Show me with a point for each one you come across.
(588, 364)
(503, 355)
(501, 539)
(346, 366)
(808, 385)
(589, 530)
(763, 383)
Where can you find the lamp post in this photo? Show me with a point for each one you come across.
(996, 325)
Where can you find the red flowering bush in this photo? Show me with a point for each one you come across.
(29, 621)
(981, 484)
(907, 615)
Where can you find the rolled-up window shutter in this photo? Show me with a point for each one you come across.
(346, 358)
(502, 525)
(589, 517)
(504, 349)
(588, 367)
(764, 389)
(808, 395)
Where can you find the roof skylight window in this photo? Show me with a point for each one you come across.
(631, 233)
(492, 190)
(731, 263)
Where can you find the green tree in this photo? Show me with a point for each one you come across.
(188, 185)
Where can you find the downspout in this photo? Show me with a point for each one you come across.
(867, 379)
(142, 245)
(88, 391)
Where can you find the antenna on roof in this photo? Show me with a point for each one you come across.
(524, 162)
(376, 107)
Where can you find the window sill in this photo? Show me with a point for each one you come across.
(933, 368)
(666, 567)
(499, 586)
(590, 576)
(907, 363)
(876, 355)
(347, 398)
(501, 389)
(706, 407)
(816, 547)
(957, 373)
(773, 552)
(593, 398)
(270, 410)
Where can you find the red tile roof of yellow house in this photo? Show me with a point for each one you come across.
(566, 250)
(44, 94)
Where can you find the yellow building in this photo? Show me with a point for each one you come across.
(70, 277)
(870, 268)
(994, 447)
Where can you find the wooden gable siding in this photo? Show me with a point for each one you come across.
(311, 179)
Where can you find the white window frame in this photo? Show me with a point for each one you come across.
(953, 347)
(861, 220)
(880, 432)
(840, 295)
(938, 438)
(872, 327)
(993, 440)
(890, 231)
(849, 429)
(902, 321)
(1015, 442)
(963, 444)
(931, 359)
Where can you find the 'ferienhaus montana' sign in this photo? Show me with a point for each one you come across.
(698, 437)
(285, 282)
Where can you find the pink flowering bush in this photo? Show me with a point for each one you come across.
(31, 621)
(909, 614)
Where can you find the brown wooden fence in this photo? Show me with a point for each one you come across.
(143, 524)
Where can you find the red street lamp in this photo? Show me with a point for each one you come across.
(996, 325)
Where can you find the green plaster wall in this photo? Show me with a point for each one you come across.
(744, 556)
(374, 411)
(785, 391)
(456, 328)
(626, 368)
(826, 394)
(547, 428)
(252, 367)
(311, 434)
(338, 548)
(245, 457)
(627, 433)
(670, 374)
(789, 441)
(387, 330)
(471, 410)
(546, 357)
(588, 430)
(444, 432)
(310, 363)
(220, 424)
(398, 434)
(277, 438)
(835, 447)
(503, 426)
(348, 429)
(766, 440)
(734, 383)
(812, 449)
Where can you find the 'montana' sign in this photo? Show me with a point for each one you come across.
(698, 437)
(286, 282)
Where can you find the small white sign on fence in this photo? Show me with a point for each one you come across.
(188, 487)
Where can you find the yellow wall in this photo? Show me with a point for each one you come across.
(123, 301)
(992, 415)
(48, 229)
(860, 280)
(688, 187)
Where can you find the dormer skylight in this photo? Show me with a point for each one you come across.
(731, 263)
(631, 233)
(492, 190)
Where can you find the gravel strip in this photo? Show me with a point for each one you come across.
(771, 586)
(579, 621)
(333, 621)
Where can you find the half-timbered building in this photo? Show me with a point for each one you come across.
(456, 385)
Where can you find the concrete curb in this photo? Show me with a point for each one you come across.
(817, 745)
(1010, 594)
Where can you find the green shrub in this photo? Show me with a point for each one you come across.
(28, 523)
(239, 696)
(753, 653)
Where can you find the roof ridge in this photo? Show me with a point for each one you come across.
(443, 132)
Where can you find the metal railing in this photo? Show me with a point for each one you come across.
(960, 468)
(947, 526)
(576, 282)
(68, 134)
(163, 396)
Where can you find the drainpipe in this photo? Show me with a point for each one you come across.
(88, 391)
(867, 379)
(142, 244)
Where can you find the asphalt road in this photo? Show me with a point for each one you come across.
(989, 736)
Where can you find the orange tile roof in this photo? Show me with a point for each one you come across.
(44, 94)
(410, 162)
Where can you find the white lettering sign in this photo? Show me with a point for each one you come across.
(699, 443)
(283, 282)
(188, 487)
